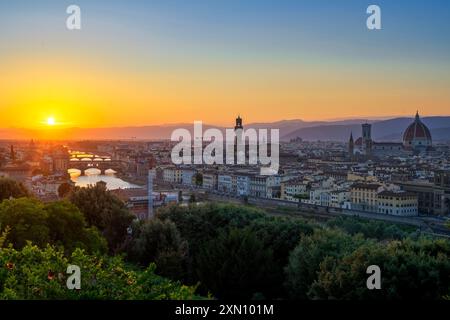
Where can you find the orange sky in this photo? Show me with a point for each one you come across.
(142, 63)
(86, 93)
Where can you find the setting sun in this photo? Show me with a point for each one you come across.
(51, 121)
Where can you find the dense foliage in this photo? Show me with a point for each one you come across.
(64, 189)
(410, 270)
(103, 210)
(240, 252)
(34, 273)
(38, 241)
(12, 189)
(159, 242)
(227, 251)
(371, 228)
(57, 223)
(236, 251)
(236, 264)
(305, 259)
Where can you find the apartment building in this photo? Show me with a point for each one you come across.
(364, 196)
(172, 175)
(294, 190)
(242, 184)
(210, 180)
(258, 186)
(187, 177)
(225, 183)
(398, 203)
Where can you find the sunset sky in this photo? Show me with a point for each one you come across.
(155, 62)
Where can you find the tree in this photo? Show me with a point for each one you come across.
(103, 210)
(302, 196)
(12, 189)
(159, 242)
(305, 259)
(380, 230)
(67, 227)
(235, 265)
(3, 236)
(198, 179)
(199, 224)
(202, 224)
(280, 236)
(64, 189)
(64, 220)
(409, 270)
(27, 220)
(57, 223)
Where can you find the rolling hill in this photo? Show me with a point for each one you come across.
(382, 130)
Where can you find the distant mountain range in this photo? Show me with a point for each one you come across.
(382, 130)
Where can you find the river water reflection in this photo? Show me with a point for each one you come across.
(92, 176)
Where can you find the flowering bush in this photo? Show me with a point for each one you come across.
(35, 273)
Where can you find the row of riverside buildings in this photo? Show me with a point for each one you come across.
(330, 189)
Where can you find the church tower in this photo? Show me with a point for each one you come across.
(367, 138)
(238, 123)
(238, 129)
(12, 153)
(351, 146)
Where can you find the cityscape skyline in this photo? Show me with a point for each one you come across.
(265, 152)
(389, 129)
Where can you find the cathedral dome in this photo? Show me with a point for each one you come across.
(417, 136)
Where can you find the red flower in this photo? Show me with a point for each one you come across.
(10, 265)
(50, 275)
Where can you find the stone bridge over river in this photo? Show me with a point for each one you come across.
(86, 162)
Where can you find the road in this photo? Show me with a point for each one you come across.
(429, 225)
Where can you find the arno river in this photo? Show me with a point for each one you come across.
(92, 176)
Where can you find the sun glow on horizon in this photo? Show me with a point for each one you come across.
(51, 121)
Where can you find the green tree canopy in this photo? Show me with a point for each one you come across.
(409, 270)
(105, 211)
(305, 259)
(201, 224)
(235, 265)
(33, 273)
(64, 189)
(12, 189)
(58, 223)
(159, 242)
(27, 220)
(67, 227)
(380, 230)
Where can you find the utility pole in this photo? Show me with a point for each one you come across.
(151, 174)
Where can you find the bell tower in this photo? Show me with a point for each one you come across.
(238, 123)
(367, 137)
(351, 146)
